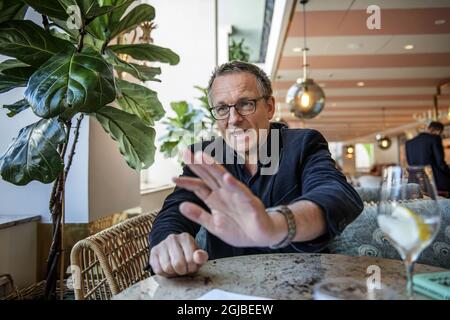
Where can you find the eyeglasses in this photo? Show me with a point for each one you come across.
(243, 107)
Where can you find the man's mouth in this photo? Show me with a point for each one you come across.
(237, 132)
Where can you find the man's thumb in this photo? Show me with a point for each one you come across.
(200, 256)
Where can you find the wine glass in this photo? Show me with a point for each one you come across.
(408, 213)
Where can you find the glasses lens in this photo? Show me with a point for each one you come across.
(220, 112)
(245, 107)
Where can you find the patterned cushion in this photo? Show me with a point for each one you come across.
(363, 237)
(372, 194)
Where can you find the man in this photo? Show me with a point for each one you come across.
(234, 202)
(426, 149)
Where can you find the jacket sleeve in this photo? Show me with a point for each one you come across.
(170, 220)
(438, 154)
(327, 187)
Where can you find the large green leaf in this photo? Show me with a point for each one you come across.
(122, 6)
(140, 101)
(14, 73)
(136, 140)
(98, 11)
(138, 71)
(33, 155)
(23, 73)
(100, 27)
(147, 51)
(146, 73)
(137, 15)
(16, 107)
(12, 10)
(11, 64)
(180, 108)
(28, 42)
(10, 82)
(73, 82)
(55, 8)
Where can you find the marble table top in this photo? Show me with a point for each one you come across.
(275, 276)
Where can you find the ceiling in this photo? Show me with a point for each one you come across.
(343, 51)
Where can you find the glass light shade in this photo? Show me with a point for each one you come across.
(306, 99)
(349, 151)
(383, 142)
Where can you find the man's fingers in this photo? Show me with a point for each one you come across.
(234, 185)
(165, 263)
(156, 266)
(199, 170)
(214, 169)
(193, 184)
(197, 214)
(200, 256)
(189, 246)
(176, 255)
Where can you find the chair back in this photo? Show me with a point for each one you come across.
(110, 261)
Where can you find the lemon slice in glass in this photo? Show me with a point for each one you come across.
(405, 227)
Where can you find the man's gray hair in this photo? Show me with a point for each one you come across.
(262, 80)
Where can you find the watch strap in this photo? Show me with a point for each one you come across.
(292, 228)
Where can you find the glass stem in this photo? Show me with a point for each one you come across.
(409, 278)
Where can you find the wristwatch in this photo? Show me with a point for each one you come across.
(292, 228)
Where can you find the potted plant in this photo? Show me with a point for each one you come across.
(68, 68)
(238, 51)
(189, 125)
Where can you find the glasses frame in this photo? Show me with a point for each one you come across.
(229, 106)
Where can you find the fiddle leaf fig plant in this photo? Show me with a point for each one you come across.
(70, 67)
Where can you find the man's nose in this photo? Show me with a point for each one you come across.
(234, 117)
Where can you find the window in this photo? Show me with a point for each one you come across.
(364, 157)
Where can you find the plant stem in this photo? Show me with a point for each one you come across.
(62, 151)
(81, 38)
(56, 207)
(74, 144)
(45, 22)
(105, 44)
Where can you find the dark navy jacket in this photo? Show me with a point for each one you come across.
(426, 149)
(306, 171)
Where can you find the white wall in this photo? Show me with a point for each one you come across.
(187, 28)
(113, 185)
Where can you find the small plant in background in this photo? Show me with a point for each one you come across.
(68, 69)
(190, 124)
(237, 51)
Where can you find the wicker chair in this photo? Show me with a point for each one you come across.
(110, 261)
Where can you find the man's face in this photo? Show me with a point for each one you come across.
(241, 132)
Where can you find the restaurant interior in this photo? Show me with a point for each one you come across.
(76, 207)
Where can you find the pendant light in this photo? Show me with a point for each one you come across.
(305, 98)
(383, 142)
(349, 151)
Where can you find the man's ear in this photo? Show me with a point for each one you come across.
(270, 107)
